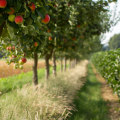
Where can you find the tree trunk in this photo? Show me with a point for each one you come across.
(47, 66)
(61, 61)
(65, 64)
(70, 64)
(75, 61)
(54, 64)
(35, 74)
(1, 28)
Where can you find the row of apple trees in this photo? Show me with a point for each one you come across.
(54, 29)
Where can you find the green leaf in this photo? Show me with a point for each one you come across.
(10, 31)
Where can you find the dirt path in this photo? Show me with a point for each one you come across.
(110, 97)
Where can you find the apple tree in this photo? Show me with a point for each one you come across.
(21, 30)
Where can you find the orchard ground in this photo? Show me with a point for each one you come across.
(15, 78)
(46, 103)
(80, 91)
(8, 70)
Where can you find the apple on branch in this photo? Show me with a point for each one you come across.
(11, 11)
(9, 48)
(22, 61)
(36, 44)
(50, 38)
(11, 18)
(32, 7)
(46, 19)
(3, 3)
(78, 26)
(18, 19)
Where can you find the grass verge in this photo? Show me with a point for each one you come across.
(89, 104)
(53, 102)
(17, 81)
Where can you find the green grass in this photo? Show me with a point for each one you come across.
(13, 82)
(89, 104)
(53, 102)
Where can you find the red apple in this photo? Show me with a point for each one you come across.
(18, 19)
(11, 11)
(47, 19)
(22, 61)
(32, 6)
(35, 44)
(74, 38)
(8, 48)
(48, 31)
(3, 3)
(50, 38)
(78, 26)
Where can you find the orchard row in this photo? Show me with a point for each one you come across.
(67, 29)
(108, 64)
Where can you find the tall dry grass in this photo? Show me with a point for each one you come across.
(9, 70)
(45, 102)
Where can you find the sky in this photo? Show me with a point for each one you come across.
(114, 10)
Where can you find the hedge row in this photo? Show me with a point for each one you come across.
(108, 64)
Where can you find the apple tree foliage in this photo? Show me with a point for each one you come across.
(25, 29)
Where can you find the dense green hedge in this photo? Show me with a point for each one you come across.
(108, 64)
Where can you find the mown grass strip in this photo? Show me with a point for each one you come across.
(89, 103)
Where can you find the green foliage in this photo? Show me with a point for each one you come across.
(108, 64)
(114, 42)
(22, 36)
(73, 27)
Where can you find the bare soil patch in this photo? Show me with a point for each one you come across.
(111, 98)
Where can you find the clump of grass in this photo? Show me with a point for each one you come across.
(45, 102)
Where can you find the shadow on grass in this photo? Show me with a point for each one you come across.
(89, 104)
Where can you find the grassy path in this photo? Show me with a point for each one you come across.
(89, 103)
(109, 96)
